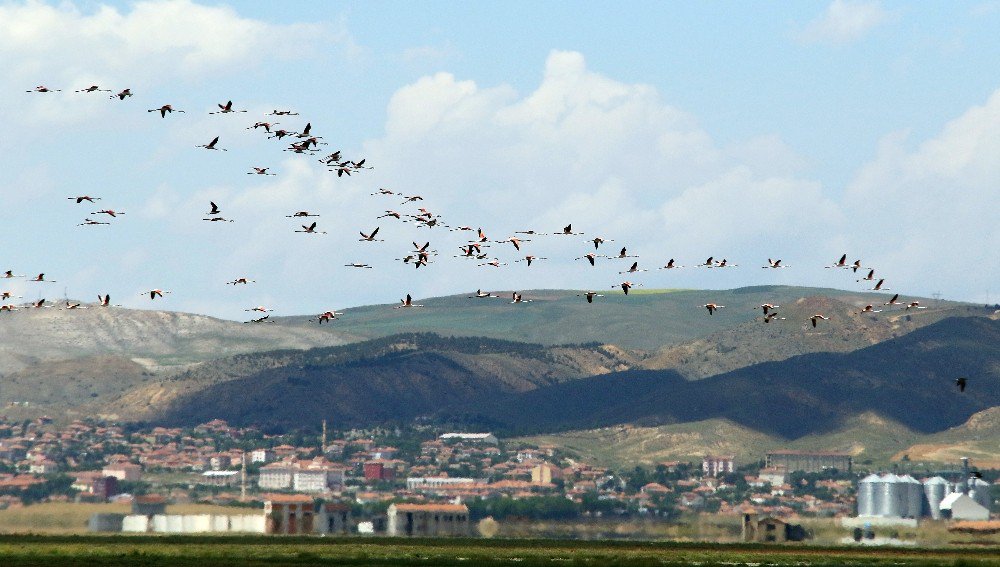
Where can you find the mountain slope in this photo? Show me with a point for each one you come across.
(908, 380)
(753, 342)
(161, 338)
(645, 321)
(391, 379)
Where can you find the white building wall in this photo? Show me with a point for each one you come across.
(136, 524)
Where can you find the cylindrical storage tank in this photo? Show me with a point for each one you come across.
(980, 492)
(913, 497)
(935, 489)
(890, 506)
(868, 495)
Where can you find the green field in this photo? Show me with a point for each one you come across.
(272, 551)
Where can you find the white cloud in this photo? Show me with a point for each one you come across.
(933, 209)
(154, 42)
(844, 21)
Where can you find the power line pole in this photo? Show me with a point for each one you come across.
(243, 478)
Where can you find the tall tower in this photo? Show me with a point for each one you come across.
(322, 447)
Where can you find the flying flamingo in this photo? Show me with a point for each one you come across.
(568, 231)
(712, 307)
(529, 259)
(105, 300)
(626, 286)
(41, 278)
(893, 301)
(73, 305)
(259, 171)
(357, 265)
(480, 294)
(408, 302)
(914, 305)
(590, 295)
(154, 293)
(517, 298)
(516, 242)
(277, 112)
(670, 265)
(589, 257)
(83, 198)
(869, 277)
(870, 309)
(93, 89)
(110, 212)
(495, 262)
(325, 317)
(122, 95)
(243, 281)
(598, 241)
(8, 307)
(816, 318)
(226, 108)
(772, 316)
(211, 145)
(163, 110)
(8, 295)
(842, 263)
(774, 264)
(260, 309)
(633, 269)
(370, 237)
(43, 89)
(311, 229)
(90, 222)
(767, 307)
(300, 214)
(878, 286)
(10, 274)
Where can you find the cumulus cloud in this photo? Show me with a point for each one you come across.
(157, 39)
(844, 21)
(933, 208)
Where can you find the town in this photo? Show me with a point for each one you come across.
(391, 481)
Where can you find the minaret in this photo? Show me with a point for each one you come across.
(322, 447)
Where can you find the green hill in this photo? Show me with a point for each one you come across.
(645, 321)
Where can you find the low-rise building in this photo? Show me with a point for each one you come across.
(808, 461)
(123, 471)
(718, 465)
(428, 520)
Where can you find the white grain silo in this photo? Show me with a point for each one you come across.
(913, 497)
(890, 505)
(869, 494)
(935, 489)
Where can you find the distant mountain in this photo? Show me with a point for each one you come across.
(645, 319)
(518, 388)
(753, 342)
(396, 379)
(154, 338)
(869, 437)
(908, 380)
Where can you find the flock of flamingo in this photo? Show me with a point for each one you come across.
(475, 248)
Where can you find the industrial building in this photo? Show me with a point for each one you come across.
(891, 496)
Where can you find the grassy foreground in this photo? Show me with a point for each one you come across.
(274, 551)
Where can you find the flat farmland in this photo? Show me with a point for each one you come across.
(276, 551)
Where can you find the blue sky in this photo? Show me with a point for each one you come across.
(795, 130)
